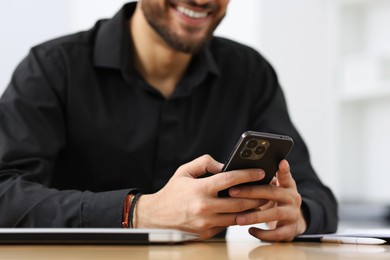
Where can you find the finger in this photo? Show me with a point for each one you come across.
(207, 234)
(284, 176)
(234, 205)
(272, 224)
(283, 233)
(274, 181)
(224, 206)
(268, 205)
(265, 192)
(224, 220)
(200, 166)
(268, 215)
(225, 180)
(215, 221)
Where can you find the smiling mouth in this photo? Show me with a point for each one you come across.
(191, 13)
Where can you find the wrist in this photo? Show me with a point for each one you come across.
(142, 217)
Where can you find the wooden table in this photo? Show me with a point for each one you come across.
(199, 251)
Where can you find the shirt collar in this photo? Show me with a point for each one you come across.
(113, 46)
(113, 39)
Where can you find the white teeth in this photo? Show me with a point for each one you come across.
(190, 13)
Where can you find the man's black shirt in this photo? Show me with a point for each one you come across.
(80, 128)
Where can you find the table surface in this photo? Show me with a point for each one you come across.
(239, 249)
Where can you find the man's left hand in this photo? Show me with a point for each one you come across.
(282, 212)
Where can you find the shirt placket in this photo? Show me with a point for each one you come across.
(167, 144)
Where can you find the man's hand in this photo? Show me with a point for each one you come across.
(282, 212)
(191, 204)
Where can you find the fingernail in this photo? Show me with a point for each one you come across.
(286, 164)
(241, 220)
(234, 191)
(252, 231)
(261, 174)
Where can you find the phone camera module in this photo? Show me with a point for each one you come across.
(246, 153)
(252, 143)
(254, 149)
(260, 149)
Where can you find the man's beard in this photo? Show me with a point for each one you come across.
(176, 42)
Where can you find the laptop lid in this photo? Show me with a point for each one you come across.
(92, 236)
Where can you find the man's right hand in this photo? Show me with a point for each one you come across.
(192, 204)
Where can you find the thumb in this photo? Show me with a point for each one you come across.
(284, 176)
(200, 166)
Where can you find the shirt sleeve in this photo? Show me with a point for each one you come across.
(32, 134)
(270, 114)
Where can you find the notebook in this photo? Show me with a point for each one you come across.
(92, 236)
(381, 233)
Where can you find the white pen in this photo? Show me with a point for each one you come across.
(353, 240)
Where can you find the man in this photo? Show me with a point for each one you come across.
(148, 102)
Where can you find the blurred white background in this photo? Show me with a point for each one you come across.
(332, 58)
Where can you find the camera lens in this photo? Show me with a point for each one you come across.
(252, 143)
(260, 149)
(246, 153)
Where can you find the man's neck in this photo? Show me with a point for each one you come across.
(160, 65)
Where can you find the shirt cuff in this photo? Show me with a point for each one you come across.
(314, 216)
(103, 209)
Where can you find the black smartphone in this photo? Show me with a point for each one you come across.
(258, 150)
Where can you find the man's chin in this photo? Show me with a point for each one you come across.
(189, 48)
(190, 45)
